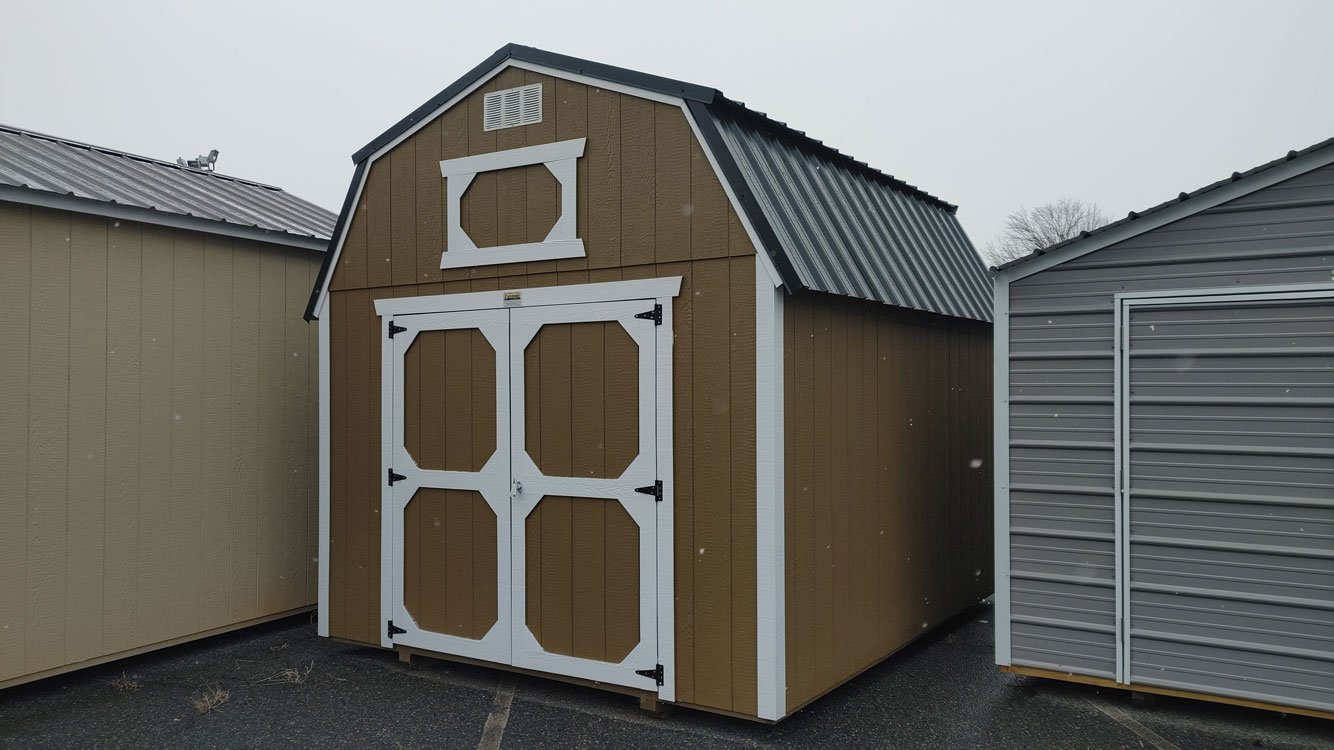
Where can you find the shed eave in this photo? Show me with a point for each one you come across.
(66, 202)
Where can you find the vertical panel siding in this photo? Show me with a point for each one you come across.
(129, 402)
(648, 205)
(888, 505)
(15, 271)
(1061, 427)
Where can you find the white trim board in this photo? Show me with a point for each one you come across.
(322, 598)
(770, 582)
(1162, 217)
(1001, 466)
(570, 294)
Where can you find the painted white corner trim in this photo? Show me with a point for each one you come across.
(770, 583)
(560, 158)
(767, 263)
(322, 600)
(1001, 465)
(1215, 197)
(608, 291)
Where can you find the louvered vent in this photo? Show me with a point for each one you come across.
(512, 107)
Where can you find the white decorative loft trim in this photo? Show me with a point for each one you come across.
(531, 251)
(560, 159)
(514, 157)
(770, 583)
(607, 291)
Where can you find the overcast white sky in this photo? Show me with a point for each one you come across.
(985, 105)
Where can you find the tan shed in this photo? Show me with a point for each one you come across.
(157, 404)
(627, 384)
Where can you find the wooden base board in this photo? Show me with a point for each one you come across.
(1103, 682)
(151, 647)
(647, 700)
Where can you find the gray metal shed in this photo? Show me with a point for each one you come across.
(1165, 446)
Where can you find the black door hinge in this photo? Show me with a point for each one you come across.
(393, 631)
(654, 315)
(393, 329)
(394, 477)
(654, 489)
(654, 674)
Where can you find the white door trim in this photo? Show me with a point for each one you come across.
(660, 289)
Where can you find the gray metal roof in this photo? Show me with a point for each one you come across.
(846, 228)
(1181, 198)
(42, 169)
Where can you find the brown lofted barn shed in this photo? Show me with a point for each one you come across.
(628, 384)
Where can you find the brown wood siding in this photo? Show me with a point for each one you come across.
(649, 206)
(143, 365)
(888, 490)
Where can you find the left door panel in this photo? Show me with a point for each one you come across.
(449, 499)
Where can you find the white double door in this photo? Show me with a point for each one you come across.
(523, 494)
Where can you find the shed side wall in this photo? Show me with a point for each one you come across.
(156, 436)
(649, 205)
(888, 493)
(1062, 559)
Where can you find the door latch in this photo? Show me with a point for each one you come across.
(516, 489)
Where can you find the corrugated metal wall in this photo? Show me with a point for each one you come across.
(1230, 491)
(1062, 532)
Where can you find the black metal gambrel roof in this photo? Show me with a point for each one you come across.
(830, 223)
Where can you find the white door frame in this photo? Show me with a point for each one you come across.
(1125, 302)
(532, 484)
(656, 290)
(491, 482)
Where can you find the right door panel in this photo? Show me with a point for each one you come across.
(582, 425)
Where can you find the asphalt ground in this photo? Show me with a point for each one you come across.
(286, 687)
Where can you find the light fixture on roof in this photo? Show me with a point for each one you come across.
(200, 162)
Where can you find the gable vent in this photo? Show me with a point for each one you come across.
(512, 107)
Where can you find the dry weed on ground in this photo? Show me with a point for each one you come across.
(212, 698)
